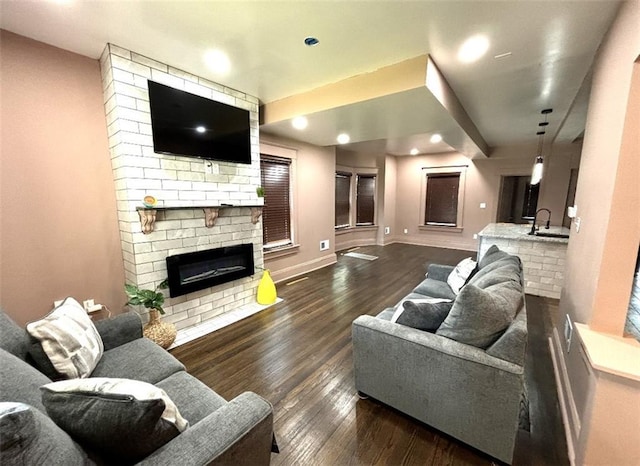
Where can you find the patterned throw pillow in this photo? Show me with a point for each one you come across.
(69, 339)
(124, 420)
(458, 277)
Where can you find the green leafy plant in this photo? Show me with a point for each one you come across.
(260, 191)
(151, 299)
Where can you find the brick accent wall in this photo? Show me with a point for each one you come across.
(176, 182)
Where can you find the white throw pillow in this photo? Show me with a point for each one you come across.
(458, 277)
(400, 306)
(69, 339)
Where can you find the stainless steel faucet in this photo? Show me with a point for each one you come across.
(535, 218)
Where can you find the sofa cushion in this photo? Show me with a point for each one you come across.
(427, 316)
(27, 436)
(479, 316)
(434, 289)
(19, 381)
(512, 344)
(13, 338)
(193, 398)
(69, 338)
(502, 270)
(123, 420)
(493, 254)
(458, 276)
(150, 364)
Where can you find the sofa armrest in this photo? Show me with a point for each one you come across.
(432, 342)
(120, 329)
(439, 272)
(238, 433)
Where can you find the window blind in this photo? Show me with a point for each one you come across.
(276, 213)
(365, 199)
(442, 199)
(343, 194)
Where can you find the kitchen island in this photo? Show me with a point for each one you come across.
(543, 257)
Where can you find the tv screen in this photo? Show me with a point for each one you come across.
(190, 125)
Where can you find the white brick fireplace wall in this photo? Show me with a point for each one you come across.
(177, 182)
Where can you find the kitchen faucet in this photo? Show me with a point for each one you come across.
(535, 218)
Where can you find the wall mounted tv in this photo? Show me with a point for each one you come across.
(187, 124)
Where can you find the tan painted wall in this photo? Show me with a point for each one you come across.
(59, 234)
(482, 186)
(314, 205)
(391, 187)
(600, 257)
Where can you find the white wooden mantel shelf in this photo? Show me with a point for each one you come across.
(148, 214)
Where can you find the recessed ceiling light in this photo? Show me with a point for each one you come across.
(311, 41)
(473, 48)
(435, 139)
(217, 61)
(414, 151)
(200, 129)
(299, 122)
(343, 138)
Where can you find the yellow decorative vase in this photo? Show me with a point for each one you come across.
(266, 289)
(162, 333)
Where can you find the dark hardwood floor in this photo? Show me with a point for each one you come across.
(298, 355)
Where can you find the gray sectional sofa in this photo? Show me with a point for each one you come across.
(465, 377)
(238, 432)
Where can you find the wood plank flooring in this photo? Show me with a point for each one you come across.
(298, 355)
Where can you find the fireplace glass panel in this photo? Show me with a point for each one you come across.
(198, 270)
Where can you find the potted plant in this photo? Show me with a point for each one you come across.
(163, 333)
(260, 191)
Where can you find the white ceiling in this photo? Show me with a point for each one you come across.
(552, 46)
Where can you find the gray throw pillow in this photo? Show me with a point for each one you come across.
(493, 254)
(27, 436)
(479, 316)
(424, 316)
(122, 420)
(512, 344)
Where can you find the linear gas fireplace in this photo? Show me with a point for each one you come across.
(195, 271)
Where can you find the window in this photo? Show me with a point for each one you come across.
(343, 199)
(442, 197)
(276, 213)
(365, 199)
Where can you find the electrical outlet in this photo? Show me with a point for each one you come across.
(88, 304)
(577, 222)
(208, 167)
(475, 236)
(483, 205)
(387, 230)
(324, 245)
(406, 231)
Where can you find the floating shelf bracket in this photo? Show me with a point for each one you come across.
(210, 216)
(147, 220)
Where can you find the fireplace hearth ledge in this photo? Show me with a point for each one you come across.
(148, 214)
(216, 323)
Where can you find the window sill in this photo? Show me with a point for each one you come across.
(440, 228)
(274, 253)
(345, 230)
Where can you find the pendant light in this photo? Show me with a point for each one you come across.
(536, 174)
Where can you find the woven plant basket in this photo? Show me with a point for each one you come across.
(162, 333)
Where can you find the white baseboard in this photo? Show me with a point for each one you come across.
(561, 374)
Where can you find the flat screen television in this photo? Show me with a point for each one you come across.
(187, 124)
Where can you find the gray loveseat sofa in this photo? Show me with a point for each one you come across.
(472, 392)
(238, 432)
